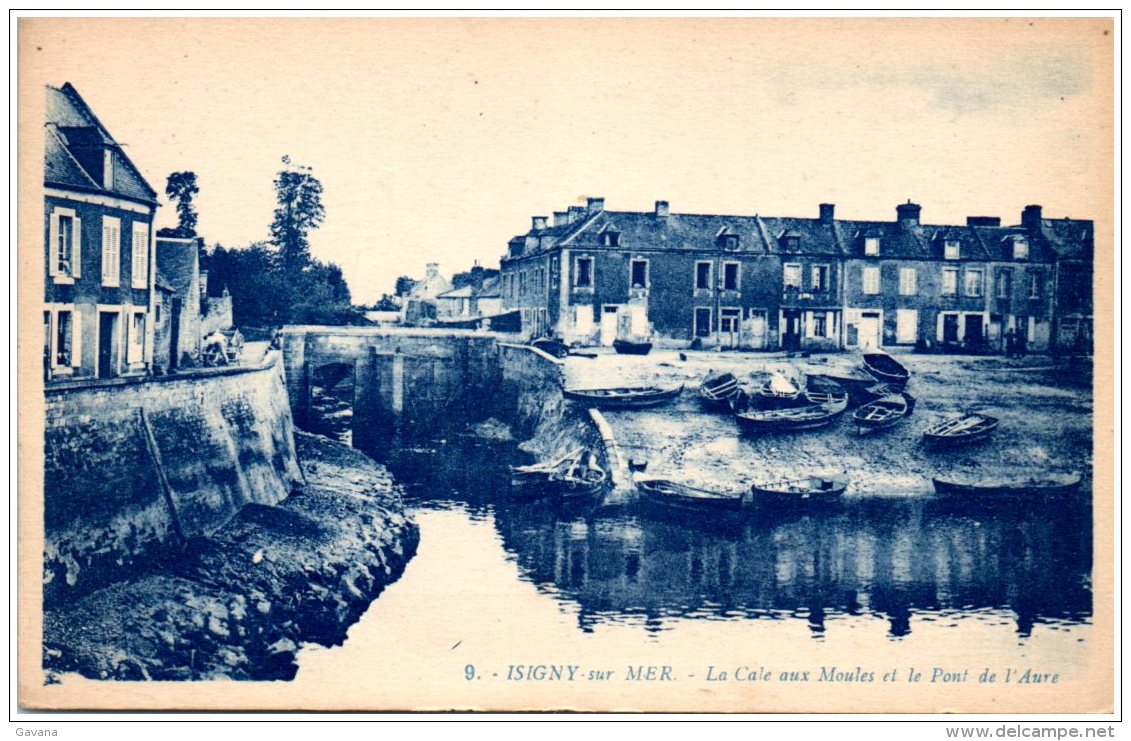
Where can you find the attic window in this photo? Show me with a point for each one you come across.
(951, 249)
(871, 245)
(1020, 249)
(610, 239)
(730, 241)
(790, 242)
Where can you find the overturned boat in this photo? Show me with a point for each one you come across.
(632, 347)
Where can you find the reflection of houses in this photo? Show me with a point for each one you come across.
(801, 283)
(99, 250)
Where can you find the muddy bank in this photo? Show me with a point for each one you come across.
(239, 603)
(1046, 422)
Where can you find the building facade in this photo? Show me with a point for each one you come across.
(99, 250)
(758, 282)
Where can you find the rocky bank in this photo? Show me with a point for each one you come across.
(238, 603)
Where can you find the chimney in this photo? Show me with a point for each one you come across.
(983, 221)
(561, 218)
(575, 213)
(1031, 217)
(538, 223)
(432, 271)
(662, 209)
(908, 213)
(827, 210)
(593, 205)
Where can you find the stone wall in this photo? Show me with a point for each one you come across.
(133, 466)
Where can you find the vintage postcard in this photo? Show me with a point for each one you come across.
(595, 364)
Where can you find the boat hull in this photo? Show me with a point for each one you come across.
(1007, 491)
(887, 369)
(635, 398)
(677, 496)
(624, 347)
(962, 431)
(812, 492)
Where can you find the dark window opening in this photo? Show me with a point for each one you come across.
(702, 275)
(584, 278)
(730, 276)
(639, 273)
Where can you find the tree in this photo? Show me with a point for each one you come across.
(182, 188)
(299, 197)
(404, 286)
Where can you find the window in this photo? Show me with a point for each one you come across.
(1021, 249)
(819, 281)
(871, 245)
(702, 322)
(1004, 280)
(908, 282)
(950, 282)
(702, 276)
(731, 272)
(791, 275)
(973, 283)
(522, 283)
(136, 339)
(729, 320)
(951, 250)
(65, 240)
(820, 324)
(906, 326)
(583, 275)
(730, 242)
(63, 334)
(871, 281)
(111, 251)
(139, 259)
(610, 239)
(1036, 284)
(639, 274)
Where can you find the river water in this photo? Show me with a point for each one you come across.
(881, 584)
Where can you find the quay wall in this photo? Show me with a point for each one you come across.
(134, 466)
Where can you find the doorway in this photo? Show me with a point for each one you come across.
(729, 323)
(973, 329)
(950, 328)
(870, 326)
(791, 329)
(608, 324)
(107, 344)
(175, 335)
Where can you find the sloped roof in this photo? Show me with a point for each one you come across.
(1073, 239)
(464, 292)
(68, 116)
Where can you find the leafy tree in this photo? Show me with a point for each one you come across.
(299, 197)
(404, 285)
(182, 188)
(386, 303)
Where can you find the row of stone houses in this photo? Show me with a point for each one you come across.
(119, 300)
(755, 282)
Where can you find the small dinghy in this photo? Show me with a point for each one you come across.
(718, 389)
(672, 494)
(791, 420)
(886, 368)
(822, 390)
(779, 391)
(961, 431)
(623, 398)
(632, 347)
(575, 475)
(808, 491)
(883, 414)
(991, 490)
(553, 348)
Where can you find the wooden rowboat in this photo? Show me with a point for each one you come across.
(883, 414)
(672, 494)
(808, 491)
(623, 398)
(821, 390)
(575, 475)
(552, 347)
(538, 474)
(631, 347)
(960, 431)
(886, 368)
(791, 420)
(717, 390)
(1054, 485)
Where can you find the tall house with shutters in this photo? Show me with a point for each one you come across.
(99, 253)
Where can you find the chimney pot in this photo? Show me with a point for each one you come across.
(593, 205)
(827, 211)
(1031, 217)
(662, 209)
(561, 218)
(538, 223)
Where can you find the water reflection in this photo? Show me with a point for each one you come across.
(893, 559)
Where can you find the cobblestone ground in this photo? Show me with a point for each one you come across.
(1045, 412)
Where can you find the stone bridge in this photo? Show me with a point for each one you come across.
(412, 379)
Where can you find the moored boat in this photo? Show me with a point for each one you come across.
(623, 398)
(807, 491)
(632, 347)
(1052, 485)
(672, 494)
(791, 420)
(718, 389)
(550, 346)
(538, 474)
(575, 475)
(961, 430)
(886, 368)
(884, 413)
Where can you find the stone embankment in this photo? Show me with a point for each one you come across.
(238, 603)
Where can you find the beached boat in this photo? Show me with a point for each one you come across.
(779, 391)
(672, 494)
(552, 347)
(883, 413)
(960, 431)
(575, 475)
(632, 347)
(822, 390)
(808, 491)
(538, 474)
(791, 420)
(718, 389)
(1052, 485)
(886, 368)
(623, 398)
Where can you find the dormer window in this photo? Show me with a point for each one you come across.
(1020, 249)
(726, 239)
(790, 241)
(951, 249)
(609, 236)
(871, 246)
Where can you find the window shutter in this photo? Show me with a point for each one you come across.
(105, 253)
(76, 250)
(76, 338)
(53, 245)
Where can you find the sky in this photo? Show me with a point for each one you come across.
(436, 140)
